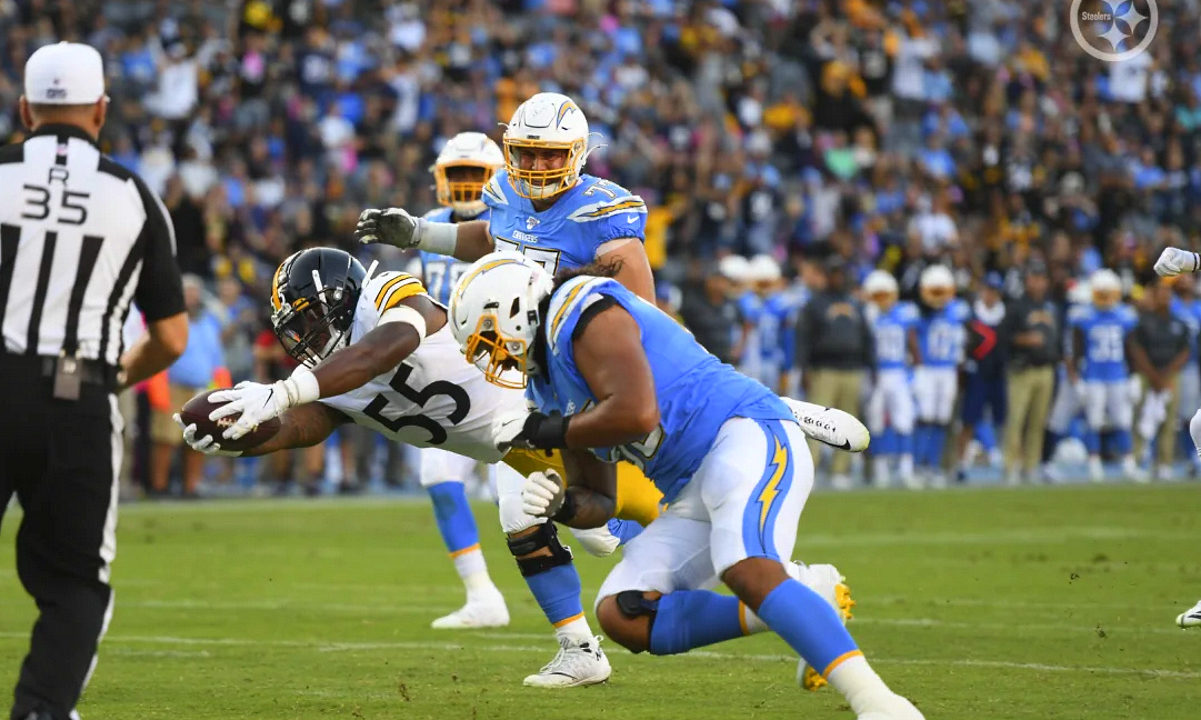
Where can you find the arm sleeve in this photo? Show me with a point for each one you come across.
(160, 292)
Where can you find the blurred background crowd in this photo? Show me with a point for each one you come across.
(814, 138)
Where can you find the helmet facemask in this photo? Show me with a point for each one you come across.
(521, 155)
(937, 296)
(460, 184)
(496, 354)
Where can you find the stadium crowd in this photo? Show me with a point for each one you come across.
(785, 148)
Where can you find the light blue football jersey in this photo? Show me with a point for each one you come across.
(697, 393)
(440, 273)
(942, 334)
(892, 335)
(1104, 334)
(567, 234)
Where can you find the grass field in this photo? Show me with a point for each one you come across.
(991, 604)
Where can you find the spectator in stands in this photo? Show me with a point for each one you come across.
(835, 350)
(201, 366)
(1031, 336)
(1159, 348)
(708, 310)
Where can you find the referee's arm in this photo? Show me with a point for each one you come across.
(160, 297)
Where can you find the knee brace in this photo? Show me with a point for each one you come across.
(633, 604)
(545, 536)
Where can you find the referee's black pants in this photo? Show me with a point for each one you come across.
(62, 459)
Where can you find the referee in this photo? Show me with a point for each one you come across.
(81, 238)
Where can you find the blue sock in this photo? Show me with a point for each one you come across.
(624, 530)
(888, 443)
(557, 591)
(938, 442)
(1092, 441)
(688, 619)
(987, 436)
(807, 623)
(453, 515)
(1123, 443)
(921, 443)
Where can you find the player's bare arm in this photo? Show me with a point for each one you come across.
(609, 355)
(591, 494)
(302, 426)
(380, 350)
(634, 270)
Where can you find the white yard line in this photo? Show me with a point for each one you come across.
(322, 646)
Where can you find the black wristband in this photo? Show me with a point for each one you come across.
(568, 510)
(546, 432)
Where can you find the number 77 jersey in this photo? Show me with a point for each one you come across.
(434, 398)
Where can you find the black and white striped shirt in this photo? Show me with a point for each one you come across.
(80, 239)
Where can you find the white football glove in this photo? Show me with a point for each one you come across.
(1173, 261)
(542, 494)
(392, 226)
(256, 403)
(506, 428)
(206, 444)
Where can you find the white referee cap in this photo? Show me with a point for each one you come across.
(64, 74)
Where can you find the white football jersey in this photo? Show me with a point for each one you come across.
(435, 398)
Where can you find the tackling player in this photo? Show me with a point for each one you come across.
(941, 336)
(612, 373)
(1098, 356)
(890, 409)
(387, 362)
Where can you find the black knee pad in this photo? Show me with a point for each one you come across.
(633, 604)
(545, 536)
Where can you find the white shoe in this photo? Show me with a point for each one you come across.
(898, 708)
(486, 613)
(938, 480)
(1013, 478)
(913, 481)
(1191, 618)
(827, 581)
(834, 427)
(575, 664)
(1133, 472)
(842, 482)
(1096, 473)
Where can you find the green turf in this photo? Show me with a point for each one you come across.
(990, 604)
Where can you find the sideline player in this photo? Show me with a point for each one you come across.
(941, 334)
(387, 363)
(890, 409)
(611, 373)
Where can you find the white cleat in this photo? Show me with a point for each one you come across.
(897, 708)
(827, 581)
(1191, 618)
(1096, 472)
(575, 665)
(834, 427)
(475, 614)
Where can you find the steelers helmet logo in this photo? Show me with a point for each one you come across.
(1114, 30)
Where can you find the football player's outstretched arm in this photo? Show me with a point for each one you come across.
(1173, 261)
(467, 241)
(609, 355)
(635, 272)
(401, 329)
(302, 426)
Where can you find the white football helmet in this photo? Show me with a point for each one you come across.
(881, 289)
(494, 315)
(736, 268)
(465, 165)
(764, 268)
(547, 121)
(1106, 288)
(937, 286)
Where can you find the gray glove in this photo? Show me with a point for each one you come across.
(393, 226)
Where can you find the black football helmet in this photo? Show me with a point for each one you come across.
(313, 296)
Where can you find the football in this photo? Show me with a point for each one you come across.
(197, 411)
